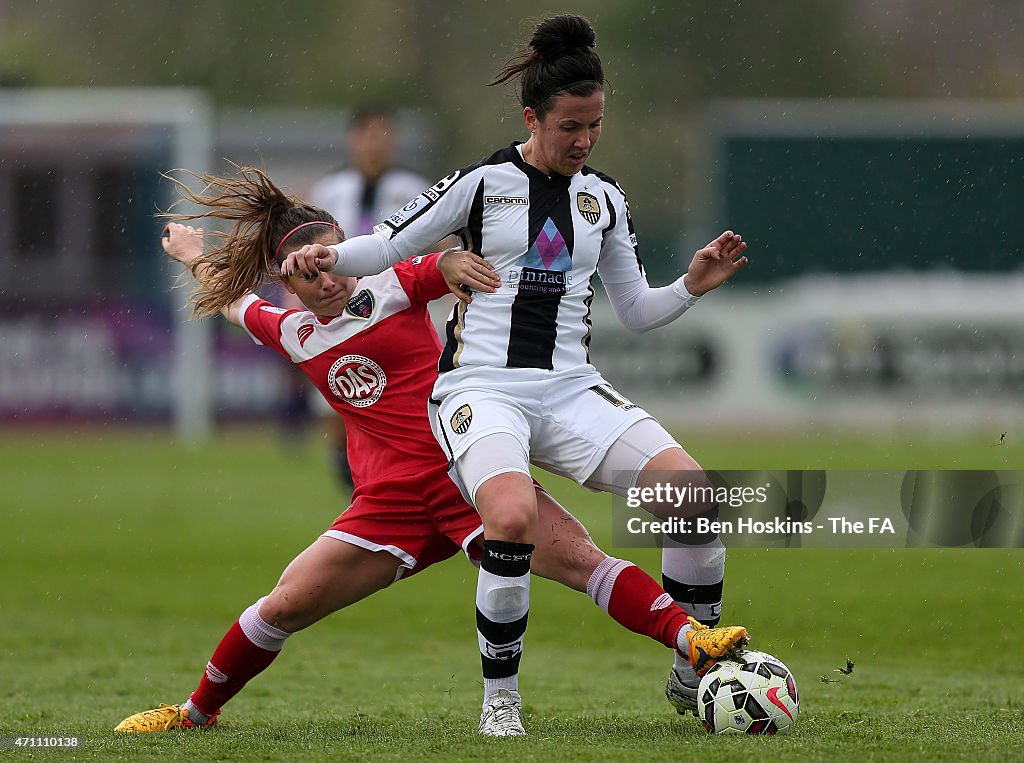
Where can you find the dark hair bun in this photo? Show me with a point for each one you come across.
(563, 34)
(561, 59)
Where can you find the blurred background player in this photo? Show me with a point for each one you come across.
(372, 186)
(360, 195)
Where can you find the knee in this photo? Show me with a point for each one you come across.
(674, 466)
(510, 522)
(693, 494)
(672, 460)
(283, 609)
(508, 506)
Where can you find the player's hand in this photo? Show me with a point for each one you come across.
(308, 261)
(715, 264)
(182, 242)
(466, 272)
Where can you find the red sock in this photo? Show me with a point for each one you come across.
(235, 661)
(637, 602)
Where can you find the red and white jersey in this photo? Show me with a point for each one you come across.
(375, 364)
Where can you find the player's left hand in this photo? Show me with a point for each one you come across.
(308, 261)
(466, 272)
(715, 264)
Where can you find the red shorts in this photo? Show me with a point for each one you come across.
(420, 519)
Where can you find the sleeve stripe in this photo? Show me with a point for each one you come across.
(611, 214)
(475, 225)
(248, 302)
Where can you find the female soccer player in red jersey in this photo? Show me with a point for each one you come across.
(371, 350)
(516, 386)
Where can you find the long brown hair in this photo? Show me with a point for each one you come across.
(246, 256)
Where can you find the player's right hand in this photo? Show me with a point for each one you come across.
(182, 242)
(308, 261)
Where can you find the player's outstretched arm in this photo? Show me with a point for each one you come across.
(642, 308)
(715, 264)
(184, 244)
(358, 256)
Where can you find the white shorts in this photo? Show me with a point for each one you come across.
(565, 421)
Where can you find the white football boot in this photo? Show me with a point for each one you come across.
(681, 689)
(502, 715)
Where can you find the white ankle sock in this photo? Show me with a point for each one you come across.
(194, 714)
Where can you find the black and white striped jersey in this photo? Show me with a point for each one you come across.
(545, 236)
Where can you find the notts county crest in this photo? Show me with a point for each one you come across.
(589, 207)
(461, 419)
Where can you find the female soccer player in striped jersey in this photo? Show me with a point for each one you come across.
(371, 350)
(516, 384)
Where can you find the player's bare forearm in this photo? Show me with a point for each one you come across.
(184, 244)
(233, 312)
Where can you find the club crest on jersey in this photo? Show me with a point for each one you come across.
(357, 380)
(461, 419)
(589, 207)
(305, 332)
(361, 305)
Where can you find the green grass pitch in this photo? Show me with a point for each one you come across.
(124, 557)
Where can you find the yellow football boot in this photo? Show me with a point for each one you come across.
(709, 645)
(163, 718)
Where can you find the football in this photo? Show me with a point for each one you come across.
(753, 693)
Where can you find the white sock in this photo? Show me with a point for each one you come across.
(491, 685)
(502, 611)
(195, 714)
(682, 664)
(259, 631)
(602, 580)
(699, 571)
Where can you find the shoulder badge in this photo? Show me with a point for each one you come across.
(361, 305)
